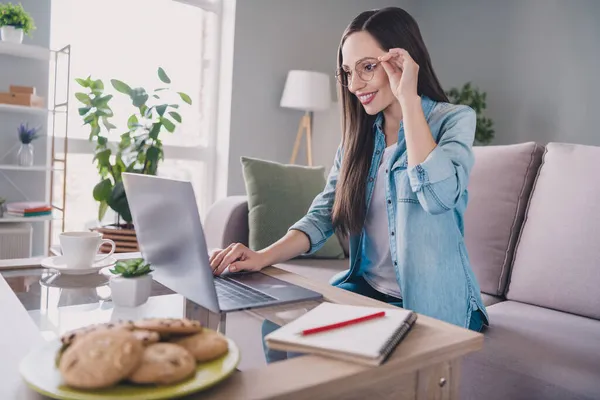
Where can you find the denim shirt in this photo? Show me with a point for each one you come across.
(425, 208)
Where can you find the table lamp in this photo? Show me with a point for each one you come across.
(308, 91)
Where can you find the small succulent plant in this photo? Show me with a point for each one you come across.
(27, 134)
(131, 268)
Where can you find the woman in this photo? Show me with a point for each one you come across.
(398, 186)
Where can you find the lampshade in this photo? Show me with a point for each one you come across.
(307, 91)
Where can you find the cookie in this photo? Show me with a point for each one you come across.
(71, 336)
(163, 364)
(204, 346)
(146, 337)
(101, 359)
(165, 326)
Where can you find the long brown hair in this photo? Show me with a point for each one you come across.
(391, 27)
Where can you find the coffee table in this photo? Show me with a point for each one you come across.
(39, 305)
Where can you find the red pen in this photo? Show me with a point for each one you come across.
(342, 324)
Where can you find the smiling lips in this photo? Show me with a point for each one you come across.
(366, 98)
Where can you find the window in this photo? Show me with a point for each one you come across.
(129, 40)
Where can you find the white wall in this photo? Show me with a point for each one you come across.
(272, 37)
(27, 72)
(538, 60)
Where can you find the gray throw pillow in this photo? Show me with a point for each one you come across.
(278, 196)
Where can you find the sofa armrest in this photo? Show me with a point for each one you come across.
(227, 222)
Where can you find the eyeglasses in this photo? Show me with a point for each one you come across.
(365, 69)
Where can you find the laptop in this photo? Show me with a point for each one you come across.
(171, 238)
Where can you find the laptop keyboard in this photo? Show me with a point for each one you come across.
(232, 292)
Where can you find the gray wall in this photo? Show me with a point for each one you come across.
(30, 73)
(271, 38)
(538, 60)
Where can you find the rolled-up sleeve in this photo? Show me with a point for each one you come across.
(441, 179)
(317, 223)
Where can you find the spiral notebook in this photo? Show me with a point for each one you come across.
(370, 342)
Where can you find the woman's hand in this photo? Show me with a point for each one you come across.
(238, 258)
(402, 72)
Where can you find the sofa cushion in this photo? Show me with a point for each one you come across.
(557, 260)
(278, 196)
(499, 186)
(534, 353)
(489, 300)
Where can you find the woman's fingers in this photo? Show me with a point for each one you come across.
(236, 253)
(218, 257)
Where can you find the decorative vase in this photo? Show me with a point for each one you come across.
(130, 292)
(11, 34)
(25, 155)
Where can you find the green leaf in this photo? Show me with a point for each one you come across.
(139, 97)
(152, 154)
(161, 109)
(103, 101)
(118, 202)
(102, 210)
(168, 124)
(84, 110)
(175, 116)
(97, 84)
(156, 96)
(84, 98)
(161, 89)
(103, 157)
(104, 112)
(107, 124)
(120, 86)
(102, 140)
(102, 190)
(82, 82)
(89, 118)
(114, 270)
(163, 75)
(185, 97)
(132, 122)
(155, 130)
(119, 268)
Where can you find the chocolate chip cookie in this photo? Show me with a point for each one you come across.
(101, 359)
(166, 326)
(163, 364)
(145, 336)
(204, 346)
(71, 336)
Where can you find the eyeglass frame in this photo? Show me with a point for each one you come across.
(337, 72)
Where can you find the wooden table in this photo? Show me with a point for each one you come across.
(426, 364)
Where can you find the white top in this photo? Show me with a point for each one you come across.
(380, 272)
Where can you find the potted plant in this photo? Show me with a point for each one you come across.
(139, 149)
(26, 136)
(2, 202)
(14, 21)
(472, 97)
(132, 284)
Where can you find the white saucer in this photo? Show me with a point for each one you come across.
(57, 263)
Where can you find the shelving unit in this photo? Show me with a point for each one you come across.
(54, 164)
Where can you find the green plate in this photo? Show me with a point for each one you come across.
(39, 371)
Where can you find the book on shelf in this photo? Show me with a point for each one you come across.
(28, 209)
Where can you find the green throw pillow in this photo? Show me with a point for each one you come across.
(278, 196)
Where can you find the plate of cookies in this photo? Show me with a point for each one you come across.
(158, 358)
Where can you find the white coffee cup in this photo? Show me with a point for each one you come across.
(79, 249)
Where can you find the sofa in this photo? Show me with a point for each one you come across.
(532, 230)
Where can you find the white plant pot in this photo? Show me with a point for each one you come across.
(11, 34)
(130, 292)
